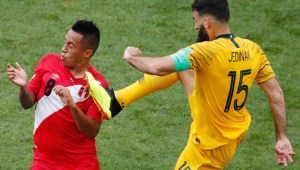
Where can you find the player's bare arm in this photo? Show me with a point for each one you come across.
(18, 76)
(85, 124)
(283, 147)
(151, 65)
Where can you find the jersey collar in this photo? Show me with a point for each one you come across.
(230, 36)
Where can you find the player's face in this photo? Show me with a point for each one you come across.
(202, 33)
(72, 51)
(197, 20)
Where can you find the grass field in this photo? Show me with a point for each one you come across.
(151, 133)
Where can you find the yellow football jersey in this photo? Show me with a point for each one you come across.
(224, 72)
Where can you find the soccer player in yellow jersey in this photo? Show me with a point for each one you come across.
(224, 68)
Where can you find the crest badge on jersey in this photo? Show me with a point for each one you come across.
(83, 92)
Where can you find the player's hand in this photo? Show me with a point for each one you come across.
(17, 75)
(64, 94)
(284, 152)
(130, 52)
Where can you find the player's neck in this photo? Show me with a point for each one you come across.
(221, 29)
(78, 72)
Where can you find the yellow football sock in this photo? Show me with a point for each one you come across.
(144, 86)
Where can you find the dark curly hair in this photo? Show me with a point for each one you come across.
(216, 8)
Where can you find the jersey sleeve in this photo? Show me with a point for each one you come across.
(265, 71)
(200, 57)
(35, 82)
(94, 113)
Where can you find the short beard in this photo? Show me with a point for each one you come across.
(202, 34)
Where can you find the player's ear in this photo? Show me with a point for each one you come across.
(207, 22)
(88, 53)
